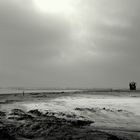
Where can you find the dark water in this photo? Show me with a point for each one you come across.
(8, 90)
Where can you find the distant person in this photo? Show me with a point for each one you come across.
(132, 86)
(23, 93)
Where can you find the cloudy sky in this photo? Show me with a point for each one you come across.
(69, 43)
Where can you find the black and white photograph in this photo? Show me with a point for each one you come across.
(69, 69)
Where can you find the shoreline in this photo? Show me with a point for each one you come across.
(89, 106)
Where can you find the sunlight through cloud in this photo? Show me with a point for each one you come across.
(54, 6)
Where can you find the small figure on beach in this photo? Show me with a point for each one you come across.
(132, 86)
(23, 93)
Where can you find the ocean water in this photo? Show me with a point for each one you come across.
(9, 90)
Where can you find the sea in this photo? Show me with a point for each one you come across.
(16, 90)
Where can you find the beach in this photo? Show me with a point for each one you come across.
(70, 115)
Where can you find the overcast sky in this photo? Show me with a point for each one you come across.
(69, 43)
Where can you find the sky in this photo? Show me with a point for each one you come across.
(69, 43)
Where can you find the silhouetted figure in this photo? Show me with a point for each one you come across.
(23, 93)
(132, 86)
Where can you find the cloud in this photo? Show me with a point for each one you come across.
(85, 46)
(28, 35)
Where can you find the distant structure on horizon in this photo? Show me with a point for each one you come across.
(132, 86)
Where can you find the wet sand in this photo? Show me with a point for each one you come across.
(96, 115)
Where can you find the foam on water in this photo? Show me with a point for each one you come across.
(70, 103)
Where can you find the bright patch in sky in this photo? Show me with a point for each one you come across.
(54, 6)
